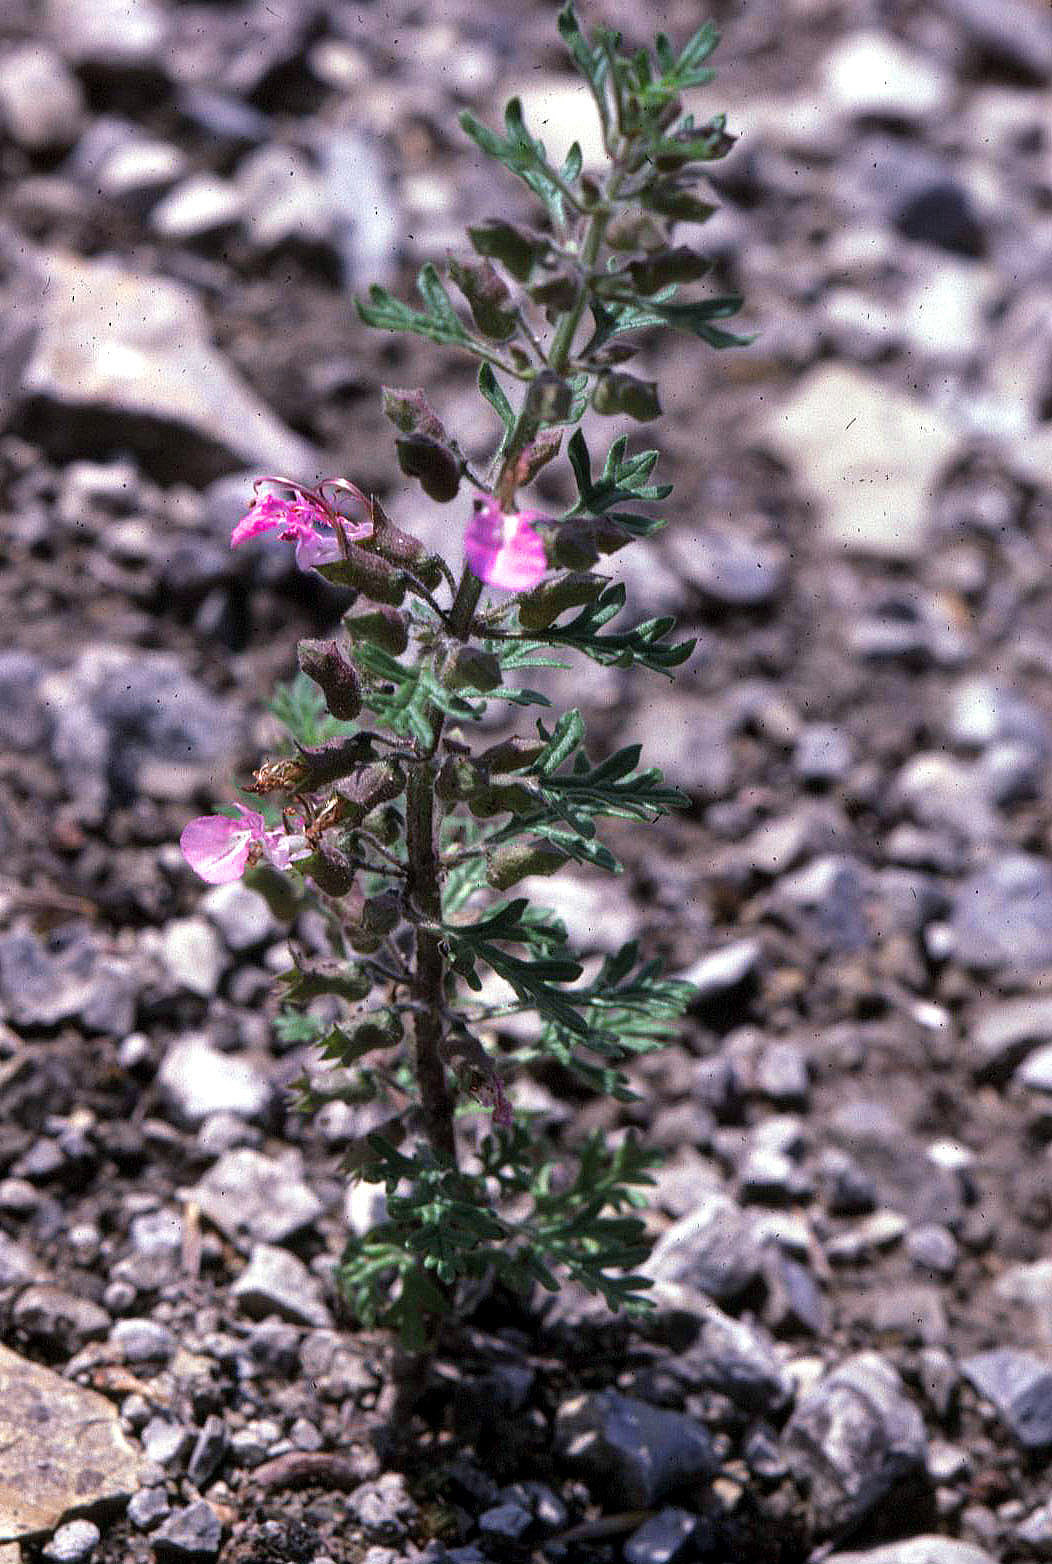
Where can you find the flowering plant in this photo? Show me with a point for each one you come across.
(404, 834)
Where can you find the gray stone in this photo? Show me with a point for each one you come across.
(940, 791)
(823, 753)
(69, 977)
(871, 456)
(854, 1439)
(198, 1081)
(57, 1319)
(933, 1248)
(209, 1452)
(148, 1508)
(1020, 1387)
(166, 1442)
(241, 915)
(108, 32)
(61, 1448)
(127, 723)
(143, 1340)
(275, 1282)
(189, 1536)
(253, 1199)
(505, 1522)
(662, 1539)
(728, 569)
(23, 722)
(73, 1543)
(782, 1075)
(368, 222)
(284, 197)
(631, 1451)
(128, 358)
(1002, 915)
(712, 1250)
(140, 167)
(736, 1359)
(826, 902)
(1011, 31)
(383, 1507)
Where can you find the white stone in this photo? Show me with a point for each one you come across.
(41, 102)
(139, 166)
(283, 196)
(200, 205)
(193, 954)
(945, 314)
(868, 72)
(870, 456)
(199, 1080)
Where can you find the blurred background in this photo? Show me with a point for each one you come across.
(861, 536)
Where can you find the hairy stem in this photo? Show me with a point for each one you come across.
(429, 966)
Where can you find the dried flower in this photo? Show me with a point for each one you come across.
(503, 549)
(220, 849)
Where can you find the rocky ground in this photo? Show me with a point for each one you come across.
(852, 1353)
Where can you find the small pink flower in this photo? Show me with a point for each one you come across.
(503, 549)
(220, 849)
(298, 521)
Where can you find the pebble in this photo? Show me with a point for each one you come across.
(729, 570)
(713, 1249)
(1019, 1385)
(58, 1320)
(276, 1282)
(1002, 915)
(255, 1199)
(663, 1539)
(241, 915)
(189, 1536)
(200, 206)
(933, 1248)
(197, 1081)
(631, 1451)
(823, 753)
(193, 955)
(853, 1439)
(208, 1453)
(73, 1543)
(148, 1508)
(143, 1340)
(868, 73)
(721, 971)
(41, 101)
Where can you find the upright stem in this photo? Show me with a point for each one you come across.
(429, 967)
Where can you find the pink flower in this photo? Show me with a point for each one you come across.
(298, 521)
(491, 1094)
(220, 849)
(503, 549)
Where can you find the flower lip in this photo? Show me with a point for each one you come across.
(502, 548)
(220, 849)
(299, 519)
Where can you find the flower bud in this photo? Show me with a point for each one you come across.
(431, 463)
(514, 861)
(536, 455)
(337, 678)
(549, 398)
(558, 292)
(574, 545)
(381, 1028)
(382, 626)
(411, 412)
(515, 246)
(677, 264)
(398, 547)
(371, 785)
(541, 607)
(459, 778)
(470, 668)
(487, 296)
(329, 870)
(616, 392)
(367, 573)
(513, 754)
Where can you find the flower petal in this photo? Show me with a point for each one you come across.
(216, 847)
(282, 849)
(265, 513)
(503, 550)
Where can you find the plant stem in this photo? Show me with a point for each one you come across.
(429, 966)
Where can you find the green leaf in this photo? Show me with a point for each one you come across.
(439, 324)
(520, 153)
(491, 389)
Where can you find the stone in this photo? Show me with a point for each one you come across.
(712, 1250)
(854, 1439)
(822, 753)
(140, 167)
(73, 1543)
(1012, 32)
(148, 1508)
(41, 101)
(61, 1449)
(869, 73)
(198, 1081)
(1002, 915)
(631, 1451)
(727, 569)
(722, 971)
(559, 110)
(143, 1340)
(1036, 1070)
(68, 977)
(284, 197)
(871, 456)
(1000, 1035)
(736, 1359)
(253, 1199)
(193, 955)
(662, 1539)
(241, 915)
(56, 1319)
(918, 1550)
(1019, 1385)
(933, 1248)
(127, 723)
(276, 1282)
(189, 1536)
(367, 219)
(209, 1452)
(505, 1522)
(199, 207)
(691, 743)
(944, 315)
(124, 358)
(826, 902)
(115, 33)
(23, 721)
